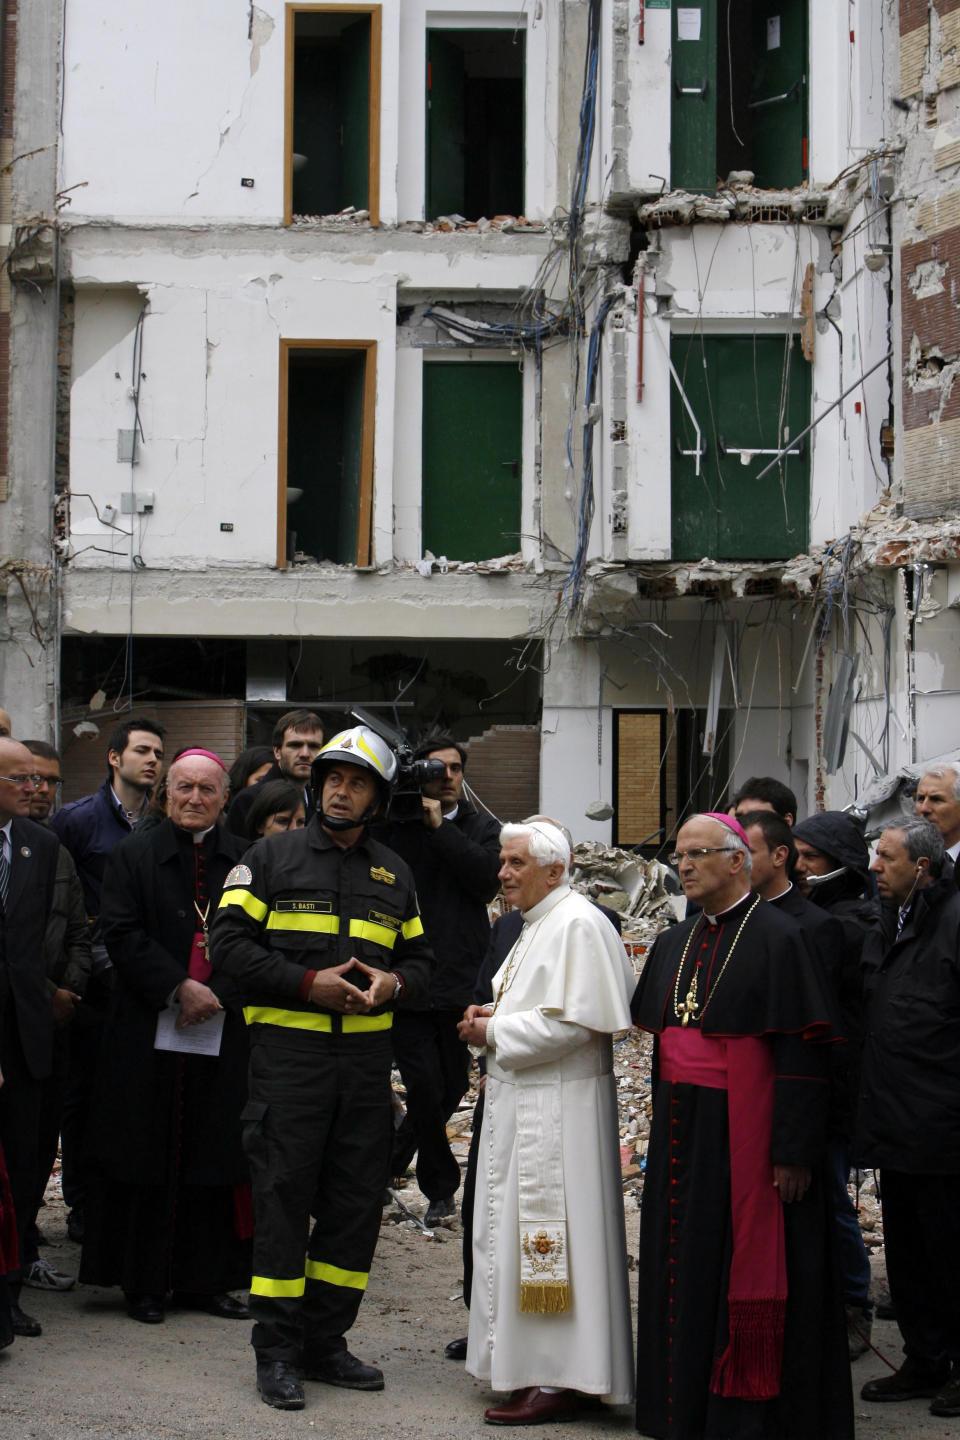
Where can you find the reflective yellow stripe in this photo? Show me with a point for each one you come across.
(412, 928)
(319, 924)
(351, 1279)
(369, 930)
(367, 1022)
(255, 908)
(278, 1289)
(294, 1019)
(310, 1020)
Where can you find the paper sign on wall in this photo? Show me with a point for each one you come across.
(773, 32)
(688, 22)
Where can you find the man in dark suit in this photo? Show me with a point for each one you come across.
(28, 867)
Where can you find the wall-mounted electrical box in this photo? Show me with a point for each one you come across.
(137, 502)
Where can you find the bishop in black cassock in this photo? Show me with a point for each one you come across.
(741, 1329)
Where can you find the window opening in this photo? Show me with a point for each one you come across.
(739, 93)
(333, 110)
(475, 127)
(325, 495)
(472, 458)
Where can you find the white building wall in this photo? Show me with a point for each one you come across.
(167, 108)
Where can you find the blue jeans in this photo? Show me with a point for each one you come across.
(854, 1263)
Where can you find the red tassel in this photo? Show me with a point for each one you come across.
(749, 1368)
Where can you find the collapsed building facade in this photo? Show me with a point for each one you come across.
(576, 374)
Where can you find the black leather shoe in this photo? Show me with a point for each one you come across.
(280, 1385)
(148, 1309)
(346, 1370)
(911, 1382)
(75, 1225)
(456, 1350)
(24, 1324)
(224, 1306)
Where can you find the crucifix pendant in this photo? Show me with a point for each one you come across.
(689, 1008)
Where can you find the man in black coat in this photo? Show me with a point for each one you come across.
(169, 1205)
(773, 850)
(454, 853)
(297, 739)
(907, 1122)
(28, 870)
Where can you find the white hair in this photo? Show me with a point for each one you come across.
(940, 772)
(545, 841)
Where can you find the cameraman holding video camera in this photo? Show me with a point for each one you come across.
(454, 853)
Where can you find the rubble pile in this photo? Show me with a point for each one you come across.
(632, 886)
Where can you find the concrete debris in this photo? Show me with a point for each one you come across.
(498, 565)
(625, 882)
(739, 200)
(442, 225)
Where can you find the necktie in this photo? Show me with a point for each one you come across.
(4, 873)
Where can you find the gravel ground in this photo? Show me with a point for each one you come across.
(94, 1372)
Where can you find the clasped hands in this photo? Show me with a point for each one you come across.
(472, 1029)
(333, 991)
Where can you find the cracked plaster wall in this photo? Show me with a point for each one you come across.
(209, 401)
(927, 250)
(195, 103)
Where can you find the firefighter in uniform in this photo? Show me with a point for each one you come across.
(321, 931)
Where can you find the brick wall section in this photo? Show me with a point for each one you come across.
(931, 388)
(218, 726)
(638, 777)
(504, 769)
(913, 13)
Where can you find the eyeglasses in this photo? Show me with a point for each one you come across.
(47, 782)
(20, 780)
(698, 854)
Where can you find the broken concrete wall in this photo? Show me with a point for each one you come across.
(927, 244)
(28, 591)
(738, 279)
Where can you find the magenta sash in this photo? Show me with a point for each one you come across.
(749, 1368)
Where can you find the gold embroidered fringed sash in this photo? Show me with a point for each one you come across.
(544, 1271)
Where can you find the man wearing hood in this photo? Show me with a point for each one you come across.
(909, 1102)
(833, 871)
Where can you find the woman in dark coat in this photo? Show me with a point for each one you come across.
(171, 1209)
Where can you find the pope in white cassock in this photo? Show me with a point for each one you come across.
(550, 1312)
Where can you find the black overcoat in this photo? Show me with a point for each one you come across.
(155, 1109)
(910, 1077)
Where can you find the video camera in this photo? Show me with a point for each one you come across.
(412, 774)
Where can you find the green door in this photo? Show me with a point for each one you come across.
(355, 115)
(778, 93)
(693, 121)
(738, 387)
(739, 92)
(446, 127)
(472, 453)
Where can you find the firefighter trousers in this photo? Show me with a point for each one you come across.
(317, 1133)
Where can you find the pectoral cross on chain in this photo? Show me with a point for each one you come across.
(689, 1008)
